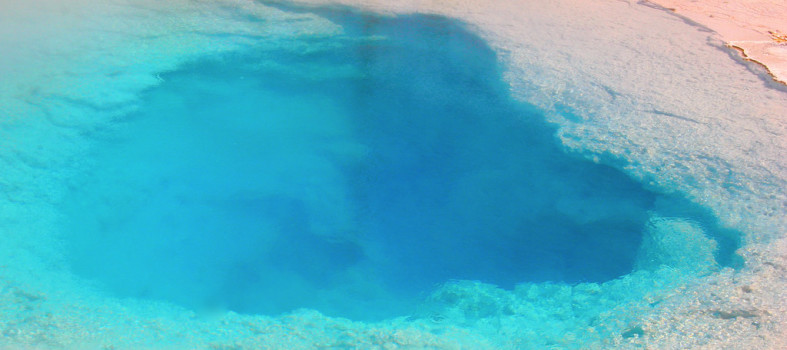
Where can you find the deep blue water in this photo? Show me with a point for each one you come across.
(352, 178)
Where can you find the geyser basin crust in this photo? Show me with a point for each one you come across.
(638, 117)
(756, 28)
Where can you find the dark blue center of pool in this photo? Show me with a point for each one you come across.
(350, 175)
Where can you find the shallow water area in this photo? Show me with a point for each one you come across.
(353, 178)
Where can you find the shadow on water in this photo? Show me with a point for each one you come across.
(350, 177)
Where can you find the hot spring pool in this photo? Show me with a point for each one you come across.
(352, 179)
(339, 177)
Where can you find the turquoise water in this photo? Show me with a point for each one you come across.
(352, 177)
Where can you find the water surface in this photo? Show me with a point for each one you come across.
(353, 178)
